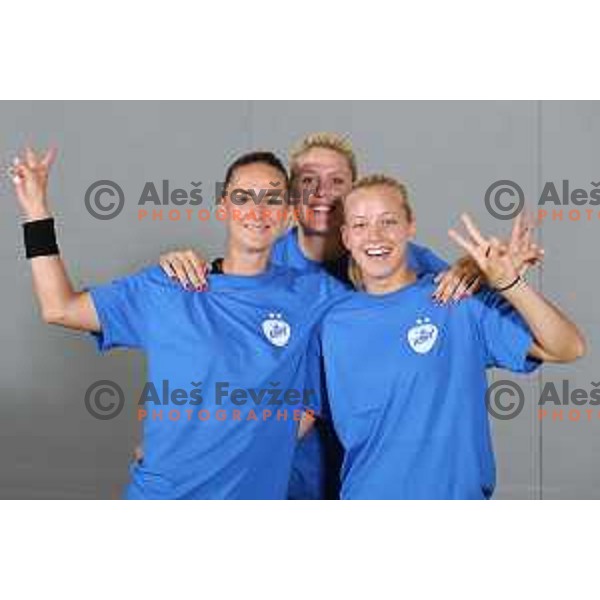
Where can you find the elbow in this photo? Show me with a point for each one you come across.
(580, 346)
(53, 316)
(577, 349)
(570, 351)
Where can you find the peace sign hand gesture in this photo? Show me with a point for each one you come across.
(30, 178)
(524, 250)
(500, 262)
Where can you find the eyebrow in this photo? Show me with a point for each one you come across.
(314, 166)
(385, 214)
(253, 187)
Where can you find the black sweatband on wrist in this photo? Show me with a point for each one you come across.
(40, 238)
(510, 285)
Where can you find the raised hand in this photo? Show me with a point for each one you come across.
(499, 262)
(30, 178)
(524, 250)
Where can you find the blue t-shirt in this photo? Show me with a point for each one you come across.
(412, 416)
(217, 360)
(318, 458)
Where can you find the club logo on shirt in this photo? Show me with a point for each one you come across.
(276, 330)
(422, 336)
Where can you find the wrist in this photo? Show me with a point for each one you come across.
(514, 287)
(39, 236)
(37, 214)
(503, 280)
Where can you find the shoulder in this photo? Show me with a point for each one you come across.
(152, 275)
(285, 238)
(151, 279)
(488, 300)
(281, 244)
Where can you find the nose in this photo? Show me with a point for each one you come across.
(251, 213)
(374, 232)
(322, 189)
(374, 228)
(263, 214)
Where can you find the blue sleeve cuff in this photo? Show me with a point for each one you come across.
(102, 338)
(523, 362)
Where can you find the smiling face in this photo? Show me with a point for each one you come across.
(322, 178)
(377, 227)
(255, 219)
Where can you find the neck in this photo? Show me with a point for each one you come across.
(396, 281)
(237, 262)
(320, 247)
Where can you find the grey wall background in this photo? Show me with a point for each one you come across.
(448, 152)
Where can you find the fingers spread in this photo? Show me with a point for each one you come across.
(31, 158)
(473, 230)
(462, 242)
(49, 157)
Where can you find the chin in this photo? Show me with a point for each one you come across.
(253, 243)
(257, 245)
(320, 228)
(378, 273)
(375, 271)
(310, 228)
(320, 224)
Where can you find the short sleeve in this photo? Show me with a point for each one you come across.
(120, 306)
(423, 261)
(506, 336)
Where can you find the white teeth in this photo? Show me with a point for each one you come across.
(322, 208)
(377, 251)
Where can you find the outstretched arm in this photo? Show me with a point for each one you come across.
(60, 304)
(556, 338)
